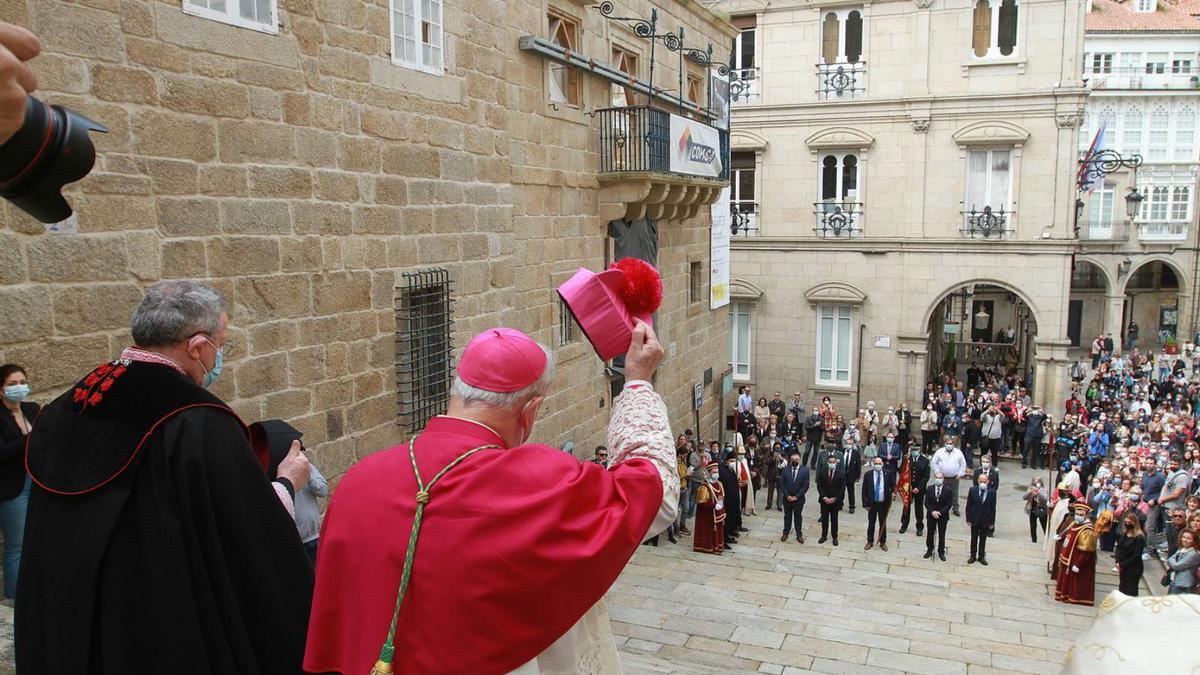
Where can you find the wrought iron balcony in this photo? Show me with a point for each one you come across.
(987, 223)
(838, 219)
(841, 81)
(638, 138)
(744, 85)
(641, 179)
(744, 218)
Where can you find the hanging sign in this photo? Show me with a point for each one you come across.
(695, 148)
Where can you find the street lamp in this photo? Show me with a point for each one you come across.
(1133, 201)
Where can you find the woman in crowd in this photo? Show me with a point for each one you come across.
(1183, 563)
(1129, 555)
(762, 413)
(15, 424)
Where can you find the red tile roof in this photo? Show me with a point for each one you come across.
(1112, 16)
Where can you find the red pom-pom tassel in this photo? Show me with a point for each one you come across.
(643, 291)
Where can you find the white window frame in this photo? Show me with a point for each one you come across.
(1100, 211)
(1102, 63)
(1144, 6)
(737, 309)
(1009, 208)
(836, 313)
(232, 15)
(437, 34)
(843, 16)
(737, 200)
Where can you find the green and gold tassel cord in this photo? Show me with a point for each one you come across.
(388, 653)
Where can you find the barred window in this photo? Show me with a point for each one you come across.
(424, 348)
(696, 282)
(566, 325)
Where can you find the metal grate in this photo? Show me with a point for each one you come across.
(423, 347)
(841, 81)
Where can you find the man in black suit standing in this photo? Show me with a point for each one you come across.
(992, 472)
(918, 479)
(981, 516)
(877, 489)
(938, 502)
(814, 431)
(852, 463)
(831, 488)
(892, 454)
(733, 502)
(794, 481)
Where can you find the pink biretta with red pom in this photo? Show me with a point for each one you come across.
(502, 360)
(607, 304)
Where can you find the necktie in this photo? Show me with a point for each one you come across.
(878, 488)
(938, 496)
(831, 475)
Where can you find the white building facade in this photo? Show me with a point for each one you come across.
(905, 171)
(1140, 63)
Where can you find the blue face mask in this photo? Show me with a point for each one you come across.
(211, 376)
(16, 392)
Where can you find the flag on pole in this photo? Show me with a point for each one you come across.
(1085, 179)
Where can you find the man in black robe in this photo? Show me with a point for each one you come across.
(155, 541)
(733, 501)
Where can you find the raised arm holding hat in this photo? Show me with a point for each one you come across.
(469, 550)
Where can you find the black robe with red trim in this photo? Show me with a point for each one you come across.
(154, 542)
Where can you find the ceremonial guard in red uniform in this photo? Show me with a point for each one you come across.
(709, 535)
(1077, 560)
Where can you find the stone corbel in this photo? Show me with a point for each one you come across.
(920, 124)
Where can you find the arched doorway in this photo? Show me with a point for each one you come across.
(981, 330)
(1090, 311)
(1152, 303)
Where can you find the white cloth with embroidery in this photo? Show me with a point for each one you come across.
(1149, 634)
(640, 428)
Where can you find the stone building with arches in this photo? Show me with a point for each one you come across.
(909, 171)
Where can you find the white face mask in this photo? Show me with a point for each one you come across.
(1080, 519)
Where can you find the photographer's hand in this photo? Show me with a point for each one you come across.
(17, 79)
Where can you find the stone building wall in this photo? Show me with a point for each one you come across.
(303, 173)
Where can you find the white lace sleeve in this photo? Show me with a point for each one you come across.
(641, 428)
(285, 499)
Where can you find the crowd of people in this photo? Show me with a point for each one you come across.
(1125, 453)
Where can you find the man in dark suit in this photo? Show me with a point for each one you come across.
(794, 482)
(877, 489)
(814, 431)
(992, 472)
(831, 488)
(918, 479)
(981, 516)
(852, 464)
(938, 502)
(892, 454)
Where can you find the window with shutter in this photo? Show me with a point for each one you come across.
(564, 81)
(854, 30)
(830, 39)
(1006, 28)
(981, 33)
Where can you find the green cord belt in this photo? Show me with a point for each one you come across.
(388, 652)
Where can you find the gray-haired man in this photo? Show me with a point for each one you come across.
(153, 531)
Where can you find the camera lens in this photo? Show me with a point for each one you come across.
(52, 148)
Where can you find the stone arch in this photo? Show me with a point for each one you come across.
(1110, 285)
(843, 138)
(835, 292)
(989, 132)
(740, 139)
(740, 289)
(1185, 287)
(937, 300)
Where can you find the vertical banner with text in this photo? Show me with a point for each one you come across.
(718, 284)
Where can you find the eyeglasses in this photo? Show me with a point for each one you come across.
(226, 349)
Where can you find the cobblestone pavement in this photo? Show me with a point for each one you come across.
(783, 607)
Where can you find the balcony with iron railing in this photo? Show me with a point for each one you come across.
(841, 81)
(647, 172)
(743, 217)
(1140, 77)
(838, 220)
(987, 223)
(1103, 231)
(745, 85)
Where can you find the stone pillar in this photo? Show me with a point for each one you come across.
(1050, 378)
(1114, 306)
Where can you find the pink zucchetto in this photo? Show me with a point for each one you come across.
(502, 360)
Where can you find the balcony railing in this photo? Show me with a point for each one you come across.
(1139, 78)
(637, 139)
(1160, 230)
(841, 81)
(750, 85)
(987, 223)
(744, 216)
(986, 353)
(1104, 231)
(838, 220)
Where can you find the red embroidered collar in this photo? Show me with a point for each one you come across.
(134, 354)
